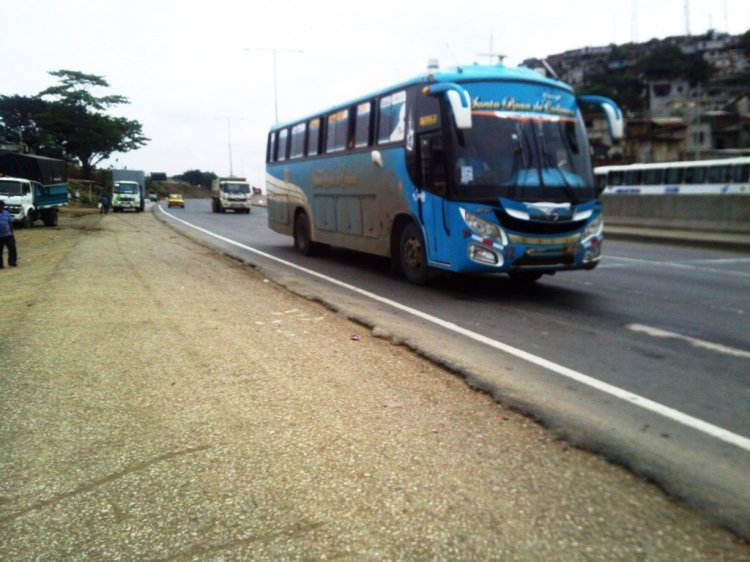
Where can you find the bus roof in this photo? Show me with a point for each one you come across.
(460, 74)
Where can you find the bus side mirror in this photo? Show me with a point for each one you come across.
(461, 107)
(615, 119)
(458, 100)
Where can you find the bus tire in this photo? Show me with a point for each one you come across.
(302, 242)
(413, 255)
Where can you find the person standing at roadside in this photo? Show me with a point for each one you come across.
(104, 204)
(6, 237)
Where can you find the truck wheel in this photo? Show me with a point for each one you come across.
(50, 217)
(28, 220)
(413, 255)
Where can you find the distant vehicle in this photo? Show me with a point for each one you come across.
(699, 177)
(175, 200)
(472, 169)
(153, 197)
(33, 187)
(128, 190)
(231, 194)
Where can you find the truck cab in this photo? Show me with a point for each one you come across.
(127, 195)
(231, 194)
(28, 200)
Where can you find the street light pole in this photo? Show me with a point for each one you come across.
(229, 142)
(275, 50)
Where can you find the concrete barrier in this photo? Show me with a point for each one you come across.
(707, 213)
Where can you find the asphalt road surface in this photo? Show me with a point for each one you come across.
(647, 358)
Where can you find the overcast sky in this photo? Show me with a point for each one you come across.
(200, 75)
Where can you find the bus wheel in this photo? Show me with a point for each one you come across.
(302, 241)
(413, 255)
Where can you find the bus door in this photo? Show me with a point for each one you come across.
(431, 196)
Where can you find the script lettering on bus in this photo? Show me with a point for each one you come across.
(334, 178)
(549, 105)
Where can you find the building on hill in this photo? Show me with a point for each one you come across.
(670, 114)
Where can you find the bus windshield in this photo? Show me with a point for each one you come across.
(522, 156)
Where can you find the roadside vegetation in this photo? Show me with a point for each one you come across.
(70, 120)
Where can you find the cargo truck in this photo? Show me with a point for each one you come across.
(128, 190)
(33, 187)
(231, 193)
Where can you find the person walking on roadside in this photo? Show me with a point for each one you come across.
(104, 204)
(6, 237)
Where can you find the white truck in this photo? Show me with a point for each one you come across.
(33, 187)
(231, 193)
(128, 190)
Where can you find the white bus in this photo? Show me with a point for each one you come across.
(700, 177)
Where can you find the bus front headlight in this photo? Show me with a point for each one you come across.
(594, 228)
(483, 228)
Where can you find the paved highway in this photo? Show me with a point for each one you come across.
(647, 358)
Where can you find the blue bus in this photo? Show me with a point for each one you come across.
(472, 169)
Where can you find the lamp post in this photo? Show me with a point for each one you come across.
(229, 141)
(275, 50)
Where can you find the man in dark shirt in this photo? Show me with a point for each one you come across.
(6, 237)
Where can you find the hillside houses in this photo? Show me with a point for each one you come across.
(684, 97)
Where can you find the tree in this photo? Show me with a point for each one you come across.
(74, 120)
(196, 177)
(667, 62)
(17, 115)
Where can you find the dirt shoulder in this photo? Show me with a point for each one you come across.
(162, 402)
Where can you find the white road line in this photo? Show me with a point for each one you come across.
(659, 333)
(650, 405)
(674, 265)
(730, 261)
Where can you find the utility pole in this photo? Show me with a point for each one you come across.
(275, 50)
(229, 141)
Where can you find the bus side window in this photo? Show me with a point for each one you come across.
(271, 156)
(362, 125)
(741, 174)
(695, 174)
(718, 174)
(337, 131)
(633, 177)
(653, 176)
(600, 182)
(615, 178)
(674, 175)
(392, 118)
(313, 137)
(297, 148)
(281, 154)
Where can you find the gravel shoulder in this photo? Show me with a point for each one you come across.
(163, 402)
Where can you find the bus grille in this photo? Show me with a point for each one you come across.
(537, 227)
